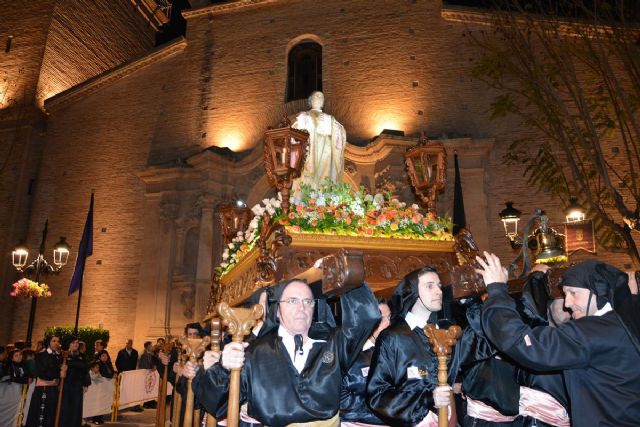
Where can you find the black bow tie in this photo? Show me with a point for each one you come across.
(297, 339)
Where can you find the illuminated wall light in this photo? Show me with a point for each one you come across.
(233, 140)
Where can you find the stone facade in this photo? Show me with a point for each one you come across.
(167, 137)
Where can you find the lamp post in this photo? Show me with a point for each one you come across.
(38, 267)
(427, 166)
(285, 150)
(575, 212)
(547, 242)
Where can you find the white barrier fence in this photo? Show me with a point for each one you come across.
(134, 388)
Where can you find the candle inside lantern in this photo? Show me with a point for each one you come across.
(284, 156)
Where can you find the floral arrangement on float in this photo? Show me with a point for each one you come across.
(28, 288)
(336, 209)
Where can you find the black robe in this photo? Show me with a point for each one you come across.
(597, 358)
(42, 410)
(276, 394)
(353, 403)
(72, 391)
(399, 353)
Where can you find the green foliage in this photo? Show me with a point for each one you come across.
(579, 87)
(86, 334)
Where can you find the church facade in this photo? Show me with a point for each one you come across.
(165, 135)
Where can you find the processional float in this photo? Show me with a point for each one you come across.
(337, 263)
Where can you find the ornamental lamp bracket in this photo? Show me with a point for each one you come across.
(233, 219)
(426, 165)
(285, 151)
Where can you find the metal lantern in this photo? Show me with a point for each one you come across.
(285, 150)
(19, 257)
(427, 165)
(233, 219)
(510, 218)
(61, 253)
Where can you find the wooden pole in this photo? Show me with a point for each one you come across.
(442, 340)
(194, 348)
(177, 397)
(216, 339)
(161, 411)
(65, 354)
(239, 322)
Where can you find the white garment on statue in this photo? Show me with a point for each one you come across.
(299, 360)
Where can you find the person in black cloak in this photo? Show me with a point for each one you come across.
(75, 384)
(292, 372)
(354, 410)
(403, 379)
(598, 351)
(543, 399)
(42, 410)
(491, 402)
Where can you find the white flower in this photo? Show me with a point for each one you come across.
(368, 198)
(415, 207)
(320, 201)
(225, 254)
(279, 196)
(271, 210)
(239, 234)
(224, 264)
(231, 246)
(257, 210)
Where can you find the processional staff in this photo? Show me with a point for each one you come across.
(239, 322)
(216, 341)
(194, 348)
(63, 374)
(442, 340)
(162, 388)
(177, 397)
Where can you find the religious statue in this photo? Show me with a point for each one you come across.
(327, 139)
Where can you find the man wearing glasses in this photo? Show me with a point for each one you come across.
(292, 373)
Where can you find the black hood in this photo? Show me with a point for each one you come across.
(323, 319)
(406, 294)
(609, 285)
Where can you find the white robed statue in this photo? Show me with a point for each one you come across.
(327, 139)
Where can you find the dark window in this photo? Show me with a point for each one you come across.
(304, 70)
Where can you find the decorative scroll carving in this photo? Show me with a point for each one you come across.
(342, 272)
(169, 209)
(267, 262)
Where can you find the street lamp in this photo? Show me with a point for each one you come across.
(510, 218)
(574, 212)
(426, 166)
(285, 150)
(38, 267)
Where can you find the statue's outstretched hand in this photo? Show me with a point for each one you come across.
(491, 269)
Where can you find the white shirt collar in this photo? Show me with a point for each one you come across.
(299, 360)
(607, 308)
(51, 351)
(368, 344)
(413, 321)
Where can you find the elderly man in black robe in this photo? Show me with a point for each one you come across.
(42, 410)
(598, 351)
(292, 373)
(403, 379)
